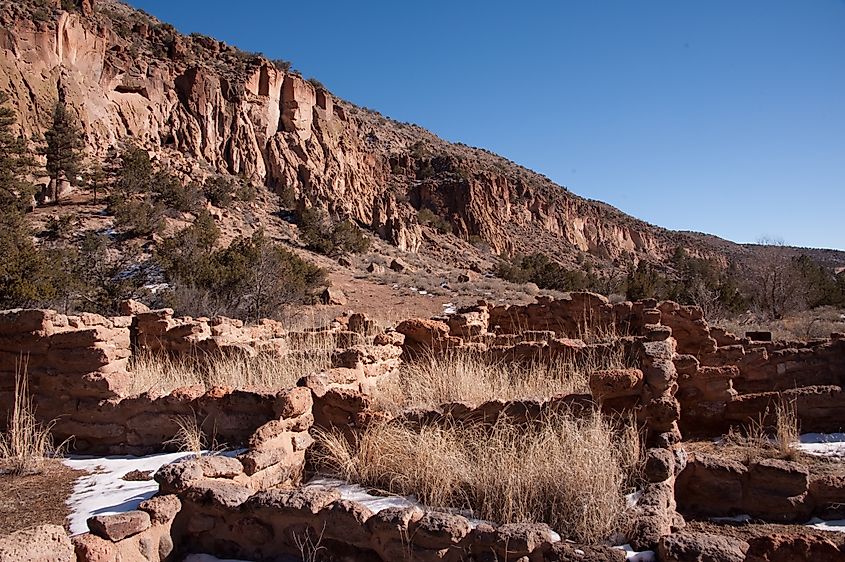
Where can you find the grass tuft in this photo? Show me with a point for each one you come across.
(567, 471)
(26, 443)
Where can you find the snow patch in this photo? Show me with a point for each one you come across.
(837, 525)
(830, 445)
(102, 492)
(634, 556)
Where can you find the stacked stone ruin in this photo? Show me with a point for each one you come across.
(690, 380)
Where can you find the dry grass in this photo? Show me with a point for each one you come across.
(781, 435)
(568, 472)
(806, 325)
(160, 374)
(787, 431)
(190, 436)
(470, 377)
(26, 443)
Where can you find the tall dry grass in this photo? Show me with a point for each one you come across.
(787, 426)
(566, 471)
(26, 443)
(436, 379)
(152, 372)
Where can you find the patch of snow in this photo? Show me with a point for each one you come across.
(102, 492)
(422, 292)
(837, 525)
(634, 556)
(356, 493)
(156, 287)
(831, 445)
(450, 308)
(632, 498)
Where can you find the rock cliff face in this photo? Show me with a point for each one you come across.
(206, 107)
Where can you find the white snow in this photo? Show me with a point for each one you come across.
(356, 493)
(831, 445)
(102, 492)
(450, 308)
(634, 556)
(837, 525)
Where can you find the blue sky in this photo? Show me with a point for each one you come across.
(717, 116)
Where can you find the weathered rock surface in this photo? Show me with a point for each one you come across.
(46, 543)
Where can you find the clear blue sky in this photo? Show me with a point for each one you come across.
(720, 116)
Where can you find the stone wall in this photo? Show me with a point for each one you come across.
(219, 515)
(726, 380)
(77, 372)
(769, 489)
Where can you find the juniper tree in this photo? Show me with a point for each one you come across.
(15, 162)
(63, 148)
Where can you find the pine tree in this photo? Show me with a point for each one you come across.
(15, 163)
(63, 148)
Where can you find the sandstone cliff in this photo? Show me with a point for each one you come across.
(205, 107)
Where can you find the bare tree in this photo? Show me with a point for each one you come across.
(775, 283)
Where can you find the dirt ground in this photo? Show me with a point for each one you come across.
(37, 499)
(745, 453)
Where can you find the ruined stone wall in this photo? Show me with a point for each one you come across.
(222, 516)
(726, 380)
(76, 368)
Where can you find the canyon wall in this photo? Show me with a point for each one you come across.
(204, 107)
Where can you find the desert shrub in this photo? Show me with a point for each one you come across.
(316, 83)
(172, 194)
(546, 273)
(25, 273)
(252, 278)
(281, 64)
(138, 217)
(221, 191)
(427, 217)
(324, 236)
(567, 471)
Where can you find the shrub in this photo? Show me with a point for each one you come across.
(323, 236)
(427, 217)
(25, 276)
(282, 65)
(547, 274)
(252, 278)
(221, 191)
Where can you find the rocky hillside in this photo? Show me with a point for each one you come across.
(205, 107)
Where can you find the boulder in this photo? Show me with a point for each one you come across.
(333, 296)
(399, 265)
(119, 526)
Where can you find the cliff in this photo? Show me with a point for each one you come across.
(205, 107)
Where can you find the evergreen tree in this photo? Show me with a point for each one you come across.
(15, 163)
(63, 148)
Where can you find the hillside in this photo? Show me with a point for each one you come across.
(204, 108)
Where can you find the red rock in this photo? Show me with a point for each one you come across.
(119, 526)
